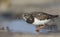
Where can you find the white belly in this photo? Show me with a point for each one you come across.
(40, 22)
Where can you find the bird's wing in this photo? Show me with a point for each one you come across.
(41, 15)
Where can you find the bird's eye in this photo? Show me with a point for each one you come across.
(24, 15)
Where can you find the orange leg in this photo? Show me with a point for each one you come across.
(40, 27)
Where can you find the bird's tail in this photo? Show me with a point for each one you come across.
(55, 16)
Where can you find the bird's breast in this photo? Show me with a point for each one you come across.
(40, 22)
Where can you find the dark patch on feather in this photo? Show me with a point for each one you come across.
(30, 19)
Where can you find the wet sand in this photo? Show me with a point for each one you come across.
(11, 34)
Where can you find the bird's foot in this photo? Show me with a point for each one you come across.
(40, 27)
(37, 30)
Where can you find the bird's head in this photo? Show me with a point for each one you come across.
(27, 16)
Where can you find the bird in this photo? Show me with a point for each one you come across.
(39, 19)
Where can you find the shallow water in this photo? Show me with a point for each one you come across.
(20, 26)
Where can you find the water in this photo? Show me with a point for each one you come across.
(21, 26)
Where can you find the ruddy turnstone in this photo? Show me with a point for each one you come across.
(40, 19)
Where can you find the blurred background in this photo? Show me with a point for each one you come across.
(11, 19)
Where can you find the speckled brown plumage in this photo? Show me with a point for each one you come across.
(42, 15)
(40, 18)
